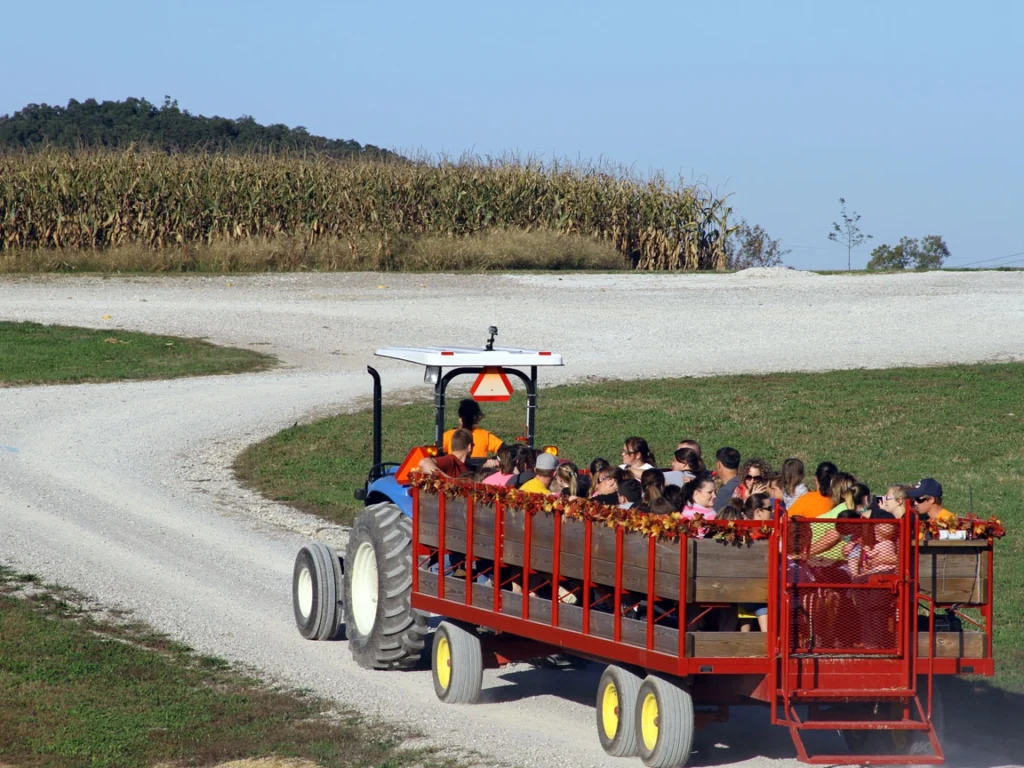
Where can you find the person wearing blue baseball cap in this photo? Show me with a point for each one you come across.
(926, 496)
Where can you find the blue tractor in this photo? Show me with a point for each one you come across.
(366, 593)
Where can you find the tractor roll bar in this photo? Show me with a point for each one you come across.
(442, 384)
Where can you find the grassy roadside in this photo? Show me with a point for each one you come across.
(494, 249)
(31, 353)
(961, 424)
(80, 690)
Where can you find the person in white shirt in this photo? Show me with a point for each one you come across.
(636, 456)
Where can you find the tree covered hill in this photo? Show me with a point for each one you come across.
(119, 124)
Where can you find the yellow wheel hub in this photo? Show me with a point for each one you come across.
(610, 711)
(443, 662)
(649, 721)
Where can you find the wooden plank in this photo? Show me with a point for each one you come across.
(948, 645)
(953, 562)
(726, 644)
(634, 632)
(952, 645)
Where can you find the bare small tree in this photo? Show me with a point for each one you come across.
(848, 233)
(750, 246)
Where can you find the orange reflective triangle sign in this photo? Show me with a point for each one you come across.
(491, 385)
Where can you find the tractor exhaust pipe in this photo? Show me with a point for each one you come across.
(376, 415)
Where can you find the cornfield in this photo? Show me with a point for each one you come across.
(97, 200)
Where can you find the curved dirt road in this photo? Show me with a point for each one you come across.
(124, 491)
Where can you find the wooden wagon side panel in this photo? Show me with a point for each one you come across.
(715, 573)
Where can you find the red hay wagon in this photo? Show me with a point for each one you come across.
(852, 653)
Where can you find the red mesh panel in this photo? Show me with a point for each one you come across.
(844, 587)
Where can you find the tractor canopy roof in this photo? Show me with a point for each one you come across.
(468, 356)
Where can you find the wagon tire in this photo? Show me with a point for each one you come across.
(306, 589)
(457, 664)
(617, 694)
(665, 723)
(384, 631)
(912, 742)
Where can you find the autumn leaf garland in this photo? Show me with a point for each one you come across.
(667, 527)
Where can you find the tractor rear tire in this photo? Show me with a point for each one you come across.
(384, 632)
(457, 664)
(616, 711)
(665, 722)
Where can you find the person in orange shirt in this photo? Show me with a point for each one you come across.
(484, 443)
(926, 496)
(817, 502)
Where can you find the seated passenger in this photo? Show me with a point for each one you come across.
(452, 464)
(759, 506)
(629, 493)
(565, 482)
(652, 485)
(727, 464)
(544, 474)
(927, 498)
(526, 459)
(484, 443)
(754, 478)
(604, 487)
(791, 481)
(827, 541)
(661, 506)
(729, 512)
(674, 495)
(506, 468)
(699, 498)
(880, 551)
(636, 456)
(862, 499)
(694, 446)
(814, 503)
(894, 501)
(686, 465)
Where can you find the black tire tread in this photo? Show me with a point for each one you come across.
(399, 633)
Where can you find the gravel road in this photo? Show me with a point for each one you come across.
(124, 491)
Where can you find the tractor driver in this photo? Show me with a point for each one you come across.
(452, 463)
(484, 443)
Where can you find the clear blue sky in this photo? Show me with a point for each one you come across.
(913, 111)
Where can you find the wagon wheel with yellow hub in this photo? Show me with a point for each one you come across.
(664, 722)
(457, 664)
(900, 742)
(616, 699)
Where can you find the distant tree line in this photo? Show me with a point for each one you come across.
(119, 124)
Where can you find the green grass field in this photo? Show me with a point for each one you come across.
(79, 691)
(961, 424)
(31, 353)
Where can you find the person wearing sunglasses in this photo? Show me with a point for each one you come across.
(894, 501)
(755, 476)
(926, 497)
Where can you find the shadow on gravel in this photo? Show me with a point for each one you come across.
(982, 723)
(577, 684)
